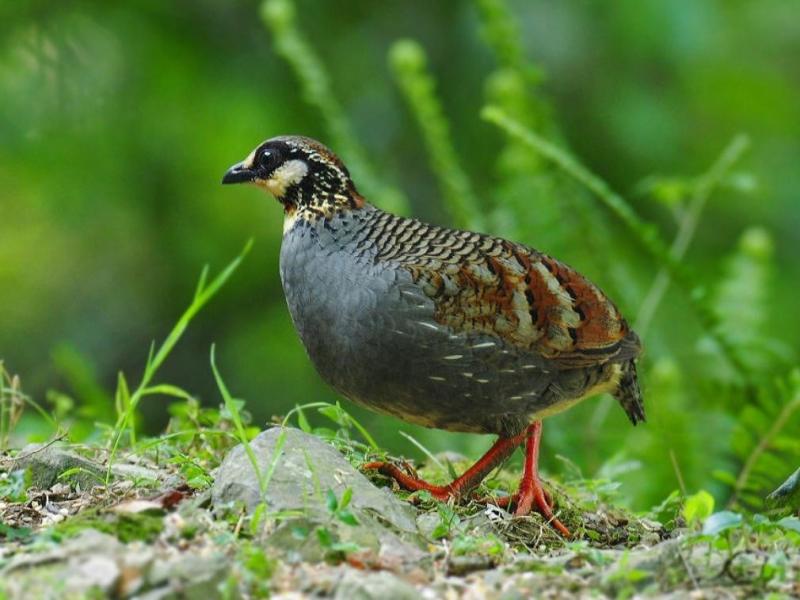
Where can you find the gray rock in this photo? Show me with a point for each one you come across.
(82, 566)
(357, 585)
(100, 573)
(95, 564)
(47, 463)
(138, 473)
(189, 576)
(304, 470)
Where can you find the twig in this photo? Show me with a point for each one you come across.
(678, 473)
(726, 568)
(688, 226)
(688, 567)
(58, 437)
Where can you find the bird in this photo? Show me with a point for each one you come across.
(445, 328)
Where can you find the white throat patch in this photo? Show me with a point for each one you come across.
(288, 174)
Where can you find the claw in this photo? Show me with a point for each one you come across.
(530, 497)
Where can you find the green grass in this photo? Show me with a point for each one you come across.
(724, 400)
(127, 402)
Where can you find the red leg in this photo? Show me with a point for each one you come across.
(531, 494)
(502, 449)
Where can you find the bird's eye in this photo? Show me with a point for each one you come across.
(267, 158)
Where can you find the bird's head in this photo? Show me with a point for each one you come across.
(301, 173)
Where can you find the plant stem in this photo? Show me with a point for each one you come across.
(705, 185)
(280, 18)
(748, 466)
(688, 226)
(202, 295)
(409, 65)
(644, 232)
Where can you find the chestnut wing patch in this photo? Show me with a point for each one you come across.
(491, 286)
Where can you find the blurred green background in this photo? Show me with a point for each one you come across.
(118, 119)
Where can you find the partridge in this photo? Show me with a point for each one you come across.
(443, 328)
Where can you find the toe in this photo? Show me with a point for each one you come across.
(534, 498)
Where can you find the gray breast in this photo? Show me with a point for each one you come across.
(371, 334)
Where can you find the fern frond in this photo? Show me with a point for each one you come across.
(765, 441)
(645, 233)
(700, 192)
(279, 17)
(741, 303)
(502, 35)
(409, 65)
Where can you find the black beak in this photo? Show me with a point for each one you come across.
(238, 173)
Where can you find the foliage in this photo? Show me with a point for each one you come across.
(766, 442)
(127, 402)
(788, 494)
(279, 16)
(118, 122)
(408, 61)
(14, 485)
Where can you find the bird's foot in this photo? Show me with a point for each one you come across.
(531, 497)
(409, 480)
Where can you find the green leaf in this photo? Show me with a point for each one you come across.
(698, 507)
(258, 518)
(334, 413)
(156, 358)
(14, 485)
(788, 494)
(725, 477)
(302, 422)
(14, 533)
(166, 389)
(331, 501)
(300, 533)
(790, 523)
(347, 495)
(440, 531)
(722, 521)
(324, 536)
(347, 517)
(345, 547)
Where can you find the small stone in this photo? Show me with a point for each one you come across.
(190, 576)
(47, 463)
(61, 489)
(138, 473)
(95, 573)
(356, 585)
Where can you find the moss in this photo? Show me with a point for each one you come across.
(126, 528)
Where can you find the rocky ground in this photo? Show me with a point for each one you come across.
(307, 523)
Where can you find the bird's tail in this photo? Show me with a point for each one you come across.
(628, 393)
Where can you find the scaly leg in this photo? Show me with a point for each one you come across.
(531, 494)
(459, 488)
